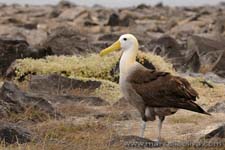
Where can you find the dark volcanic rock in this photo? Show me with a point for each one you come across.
(13, 100)
(57, 89)
(11, 50)
(56, 84)
(65, 4)
(11, 134)
(192, 63)
(218, 107)
(207, 53)
(219, 68)
(220, 24)
(168, 47)
(143, 6)
(109, 37)
(217, 133)
(115, 20)
(67, 41)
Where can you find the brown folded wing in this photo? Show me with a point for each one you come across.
(161, 89)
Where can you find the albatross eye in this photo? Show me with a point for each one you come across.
(124, 39)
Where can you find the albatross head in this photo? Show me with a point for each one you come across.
(129, 46)
(126, 42)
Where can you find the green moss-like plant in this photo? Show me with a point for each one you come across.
(91, 66)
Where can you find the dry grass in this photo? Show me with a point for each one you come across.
(194, 118)
(75, 110)
(208, 96)
(30, 114)
(58, 135)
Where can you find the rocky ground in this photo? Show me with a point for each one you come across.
(57, 93)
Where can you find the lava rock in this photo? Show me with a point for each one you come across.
(218, 107)
(11, 133)
(208, 53)
(109, 37)
(56, 84)
(13, 100)
(168, 47)
(67, 41)
(72, 13)
(65, 4)
(12, 49)
(115, 20)
(217, 133)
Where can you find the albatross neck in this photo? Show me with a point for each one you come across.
(127, 60)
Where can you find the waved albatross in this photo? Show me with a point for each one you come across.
(152, 93)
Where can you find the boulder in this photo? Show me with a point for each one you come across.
(65, 4)
(109, 37)
(217, 133)
(220, 24)
(218, 107)
(166, 46)
(65, 40)
(72, 13)
(115, 20)
(57, 89)
(12, 49)
(208, 53)
(13, 100)
(11, 133)
(56, 84)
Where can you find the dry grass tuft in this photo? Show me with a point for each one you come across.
(194, 118)
(30, 114)
(208, 96)
(69, 135)
(89, 135)
(75, 110)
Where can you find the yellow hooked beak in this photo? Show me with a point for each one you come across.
(114, 47)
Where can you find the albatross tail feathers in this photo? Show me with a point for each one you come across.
(196, 108)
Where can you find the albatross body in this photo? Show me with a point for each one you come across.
(152, 93)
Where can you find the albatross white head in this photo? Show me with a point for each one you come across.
(129, 46)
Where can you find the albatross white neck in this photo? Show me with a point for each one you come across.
(128, 59)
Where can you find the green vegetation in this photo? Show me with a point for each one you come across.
(91, 66)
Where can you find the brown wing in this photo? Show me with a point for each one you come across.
(161, 89)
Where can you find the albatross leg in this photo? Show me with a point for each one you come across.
(143, 126)
(161, 119)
